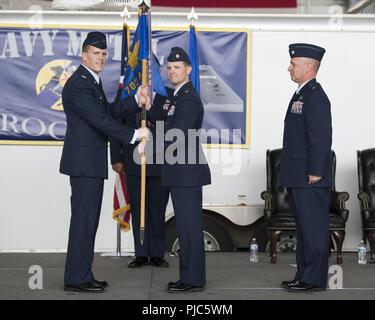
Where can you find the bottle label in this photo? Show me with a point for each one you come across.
(254, 247)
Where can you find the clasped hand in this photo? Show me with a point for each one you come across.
(144, 97)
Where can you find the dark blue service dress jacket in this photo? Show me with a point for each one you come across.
(307, 139)
(89, 124)
(183, 117)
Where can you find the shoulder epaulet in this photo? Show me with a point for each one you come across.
(313, 85)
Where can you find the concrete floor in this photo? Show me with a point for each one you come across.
(230, 276)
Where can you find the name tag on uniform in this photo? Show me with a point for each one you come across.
(171, 111)
(297, 107)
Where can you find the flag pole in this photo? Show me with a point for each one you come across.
(125, 44)
(193, 50)
(124, 57)
(143, 9)
(192, 16)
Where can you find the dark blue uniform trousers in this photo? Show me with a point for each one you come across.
(156, 203)
(187, 205)
(310, 207)
(86, 202)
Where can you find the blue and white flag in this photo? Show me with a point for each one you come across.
(194, 59)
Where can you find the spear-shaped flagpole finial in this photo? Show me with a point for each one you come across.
(144, 6)
(192, 16)
(125, 14)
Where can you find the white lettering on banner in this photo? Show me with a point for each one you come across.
(51, 129)
(75, 43)
(26, 122)
(10, 46)
(28, 44)
(48, 37)
(27, 40)
(117, 40)
(10, 122)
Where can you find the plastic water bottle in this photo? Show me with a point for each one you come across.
(254, 251)
(362, 253)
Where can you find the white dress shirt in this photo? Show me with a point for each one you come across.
(179, 87)
(94, 74)
(302, 85)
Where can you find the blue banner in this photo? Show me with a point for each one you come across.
(157, 82)
(35, 65)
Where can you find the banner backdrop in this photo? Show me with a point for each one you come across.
(35, 65)
(227, 4)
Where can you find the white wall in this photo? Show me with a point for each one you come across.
(34, 202)
(34, 197)
(347, 74)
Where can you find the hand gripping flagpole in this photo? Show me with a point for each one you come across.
(143, 9)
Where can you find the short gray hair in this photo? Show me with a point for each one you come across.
(315, 63)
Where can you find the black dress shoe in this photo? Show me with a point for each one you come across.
(159, 262)
(287, 284)
(183, 287)
(173, 283)
(138, 262)
(101, 283)
(304, 287)
(89, 287)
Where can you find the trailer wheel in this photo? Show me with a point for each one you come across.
(287, 243)
(216, 238)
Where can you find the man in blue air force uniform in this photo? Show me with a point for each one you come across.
(124, 162)
(186, 177)
(84, 159)
(306, 168)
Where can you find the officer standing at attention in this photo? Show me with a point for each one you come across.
(84, 159)
(185, 170)
(306, 168)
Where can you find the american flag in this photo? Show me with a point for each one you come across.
(121, 203)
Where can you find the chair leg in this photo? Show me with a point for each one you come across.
(275, 237)
(269, 239)
(338, 236)
(330, 247)
(371, 238)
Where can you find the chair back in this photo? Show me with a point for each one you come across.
(279, 194)
(366, 174)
